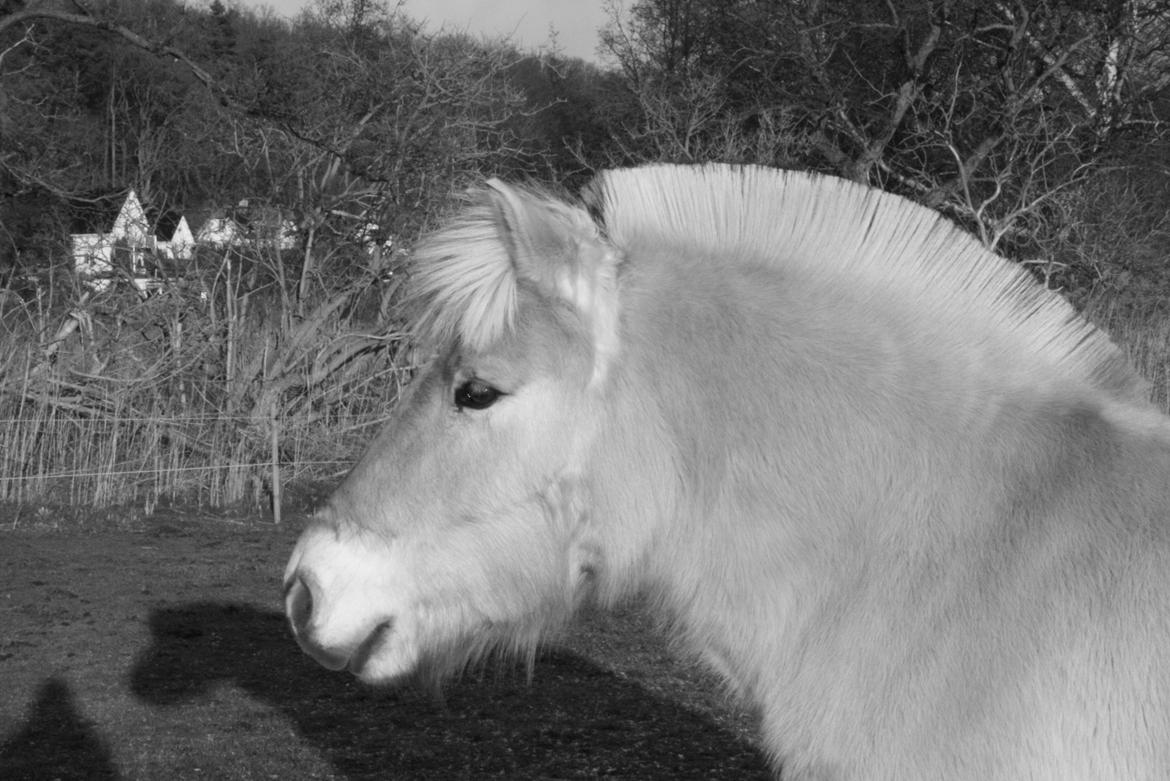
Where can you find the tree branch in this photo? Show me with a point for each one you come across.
(87, 20)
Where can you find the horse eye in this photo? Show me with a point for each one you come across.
(476, 394)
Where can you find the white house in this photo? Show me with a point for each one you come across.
(108, 236)
(221, 232)
(267, 226)
(114, 237)
(174, 238)
(257, 225)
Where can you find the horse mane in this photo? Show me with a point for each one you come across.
(465, 284)
(844, 231)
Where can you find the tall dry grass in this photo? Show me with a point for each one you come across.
(195, 392)
(1144, 333)
(218, 388)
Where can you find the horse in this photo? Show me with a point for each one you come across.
(904, 500)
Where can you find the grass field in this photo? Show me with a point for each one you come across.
(154, 648)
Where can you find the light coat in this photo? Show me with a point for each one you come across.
(908, 504)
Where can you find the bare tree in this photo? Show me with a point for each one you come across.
(84, 14)
(986, 111)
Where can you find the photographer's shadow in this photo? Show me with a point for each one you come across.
(56, 742)
(574, 720)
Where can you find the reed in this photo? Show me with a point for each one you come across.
(124, 399)
(117, 399)
(1143, 330)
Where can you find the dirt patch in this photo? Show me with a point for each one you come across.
(161, 653)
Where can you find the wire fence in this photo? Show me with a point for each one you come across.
(208, 459)
(143, 472)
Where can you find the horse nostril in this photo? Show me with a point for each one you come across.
(298, 604)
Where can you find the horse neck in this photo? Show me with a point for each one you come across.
(790, 428)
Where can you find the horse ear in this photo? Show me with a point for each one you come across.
(554, 245)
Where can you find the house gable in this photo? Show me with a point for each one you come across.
(173, 237)
(98, 241)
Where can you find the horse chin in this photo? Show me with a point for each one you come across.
(385, 658)
(389, 654)
(417, 650)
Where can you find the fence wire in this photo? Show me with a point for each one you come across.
(210, 458)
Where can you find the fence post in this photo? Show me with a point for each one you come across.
(275, 454)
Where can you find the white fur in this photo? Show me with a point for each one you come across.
(899, 496)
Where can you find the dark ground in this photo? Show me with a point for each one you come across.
(154, 648)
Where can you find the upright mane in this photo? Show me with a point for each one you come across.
(830, 228)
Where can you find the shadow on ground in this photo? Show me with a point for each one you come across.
(56, 742)
(575, 720)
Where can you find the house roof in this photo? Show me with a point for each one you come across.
(199, 217)
(95, 212)
(165, 223)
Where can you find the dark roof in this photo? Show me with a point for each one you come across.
(165, 223)
(95, 213)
